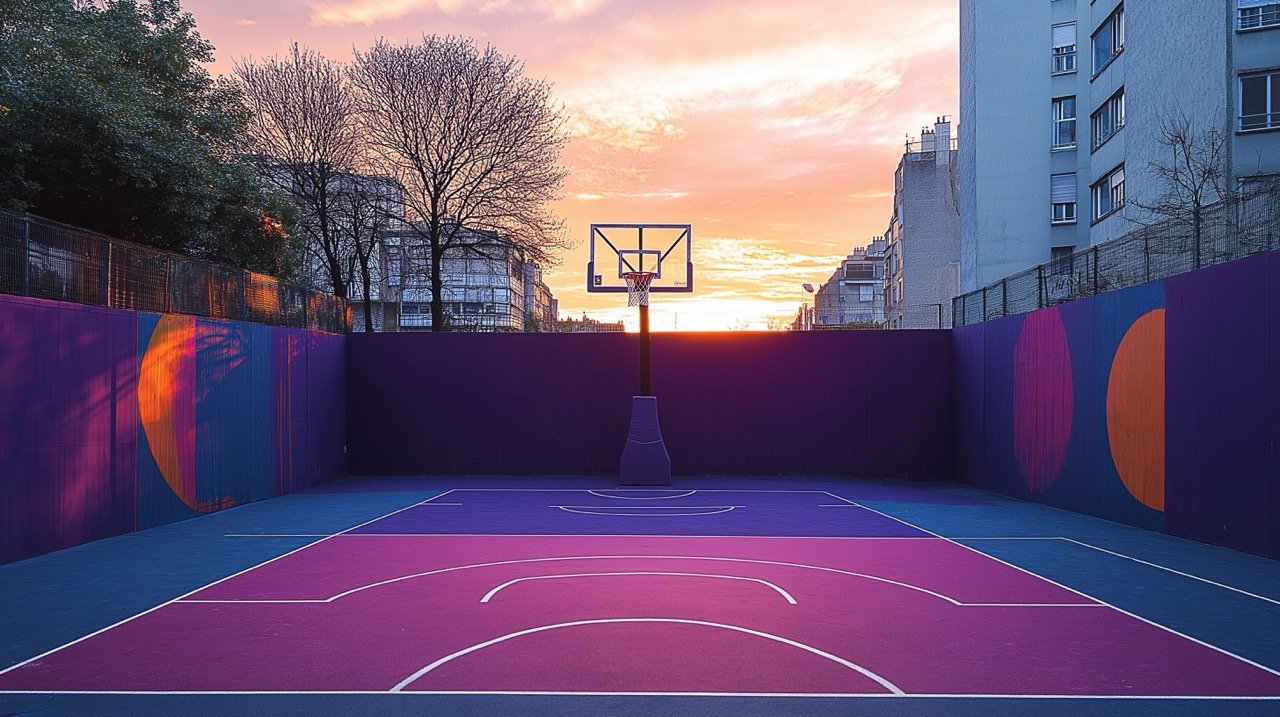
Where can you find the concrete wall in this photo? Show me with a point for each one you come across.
(113, 420)
(1157, 406)
(858, 403)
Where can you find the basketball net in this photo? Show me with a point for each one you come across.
(638, 287)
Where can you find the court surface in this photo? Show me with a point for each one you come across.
(716, 596)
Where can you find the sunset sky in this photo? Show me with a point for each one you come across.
(772, 127)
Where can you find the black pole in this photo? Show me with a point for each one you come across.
(644, 351)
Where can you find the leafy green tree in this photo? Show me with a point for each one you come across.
(108, 120)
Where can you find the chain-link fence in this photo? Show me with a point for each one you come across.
(1225, 231)
(49, 260)
(912, 316)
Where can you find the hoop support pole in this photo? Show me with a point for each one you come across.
(645, 389)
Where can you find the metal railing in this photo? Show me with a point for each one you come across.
(1227, 230)
(46, 259)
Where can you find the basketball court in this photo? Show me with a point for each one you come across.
(716, 588)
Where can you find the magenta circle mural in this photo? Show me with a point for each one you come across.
(1042, 398)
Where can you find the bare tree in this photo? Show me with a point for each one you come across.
(366, 206)
(1194, 173)
(303, 130)
(474, 145)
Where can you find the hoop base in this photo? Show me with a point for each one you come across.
(644, 457)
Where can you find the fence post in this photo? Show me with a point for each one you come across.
(1004, 296)
(168, 285)
(1195, 237)
(104, 273)
(939, 315)
(1040, 298)
(1146, 255)
(25, 267)
(984, 303)
(1095, 270)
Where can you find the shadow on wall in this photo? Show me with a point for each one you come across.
(1156, 406)
(115, 420)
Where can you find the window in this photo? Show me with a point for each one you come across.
(1260, 101)
(1062, 198)
(1064, 48)
(1108, 40)
(1064, 122)
(859, 270)
(1108, 119)
(865, 293)
(1108, 193)
(1257, 14)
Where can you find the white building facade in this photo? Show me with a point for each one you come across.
(1062, 103)
(491, 286)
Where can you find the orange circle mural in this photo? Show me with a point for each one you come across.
(167, 407)
(1135, 409)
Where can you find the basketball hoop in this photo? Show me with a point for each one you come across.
(638, 287)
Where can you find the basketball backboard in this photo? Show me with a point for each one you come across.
(664, 249)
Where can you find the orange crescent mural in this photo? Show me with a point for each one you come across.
(1135, 409)
(167, 407)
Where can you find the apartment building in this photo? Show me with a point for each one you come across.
(854, 295)
(922, 243)
(1062, 106)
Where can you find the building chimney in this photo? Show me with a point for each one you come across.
(942, 138)
(926, 140)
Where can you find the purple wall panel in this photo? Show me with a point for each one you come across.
(969, 386)
(1218, 375)
(1273, 402)
(386, 392)
(75, 464)
(742, 403)
(66, 437)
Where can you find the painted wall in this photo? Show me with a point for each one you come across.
(112, 420)
(867, 403)
(1157, 406)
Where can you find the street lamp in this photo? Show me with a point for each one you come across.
(806, 313)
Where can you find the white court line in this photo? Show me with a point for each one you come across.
(564, 558)
(432, 498)
(596, 510)
(611, 621)
(1264, 598)
(839, 498)
(1135, 616)
(192, 592)
(629, 497)
(786, 595)
(567, 693)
